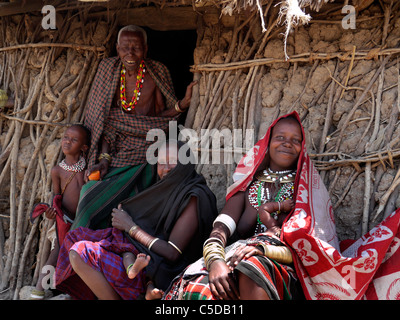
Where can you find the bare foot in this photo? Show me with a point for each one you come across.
(142, 260)
(153, 293)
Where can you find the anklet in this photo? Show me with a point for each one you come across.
(128, 268)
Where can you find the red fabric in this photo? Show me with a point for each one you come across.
(368, 269)
(38, 209)
(344, 244)
(61, 226)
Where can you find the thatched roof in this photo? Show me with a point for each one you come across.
(227, 6)
(291, 11)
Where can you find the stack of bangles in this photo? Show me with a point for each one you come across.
(213, 250)
(105, 156)
(134, 230)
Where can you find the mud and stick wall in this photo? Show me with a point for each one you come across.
(47, 76)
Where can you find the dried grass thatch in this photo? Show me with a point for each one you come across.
(291, 11)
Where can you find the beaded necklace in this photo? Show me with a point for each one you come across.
(271, 176)
(136, 94)
(260, 193)
(76, 167)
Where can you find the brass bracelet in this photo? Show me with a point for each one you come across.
(212, 251)
(152, 242)
(105, 156)
(177, 108)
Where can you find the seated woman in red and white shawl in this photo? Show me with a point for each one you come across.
(259, 265)
(257, 205)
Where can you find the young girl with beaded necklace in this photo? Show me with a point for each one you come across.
(67, 180)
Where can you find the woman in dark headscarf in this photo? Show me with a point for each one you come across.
(168, 221)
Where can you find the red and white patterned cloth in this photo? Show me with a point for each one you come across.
(368, 269)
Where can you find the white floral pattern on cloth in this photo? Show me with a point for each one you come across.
(379, 233)
(332, 254)
(387, 287)
(393, 292)
(368, 261)
(296, 222)
(246, 164)
(248, 160)
(302, 195)
(303, 249)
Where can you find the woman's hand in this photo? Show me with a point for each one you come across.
(222, 285)
(102, 166)
(274, 232)
(50, 213)
(121, 220)
(243, 252)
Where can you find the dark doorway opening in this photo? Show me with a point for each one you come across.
(174, 49)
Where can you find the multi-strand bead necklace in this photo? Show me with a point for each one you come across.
(76, 167)
(260, 193)
(136, 94)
